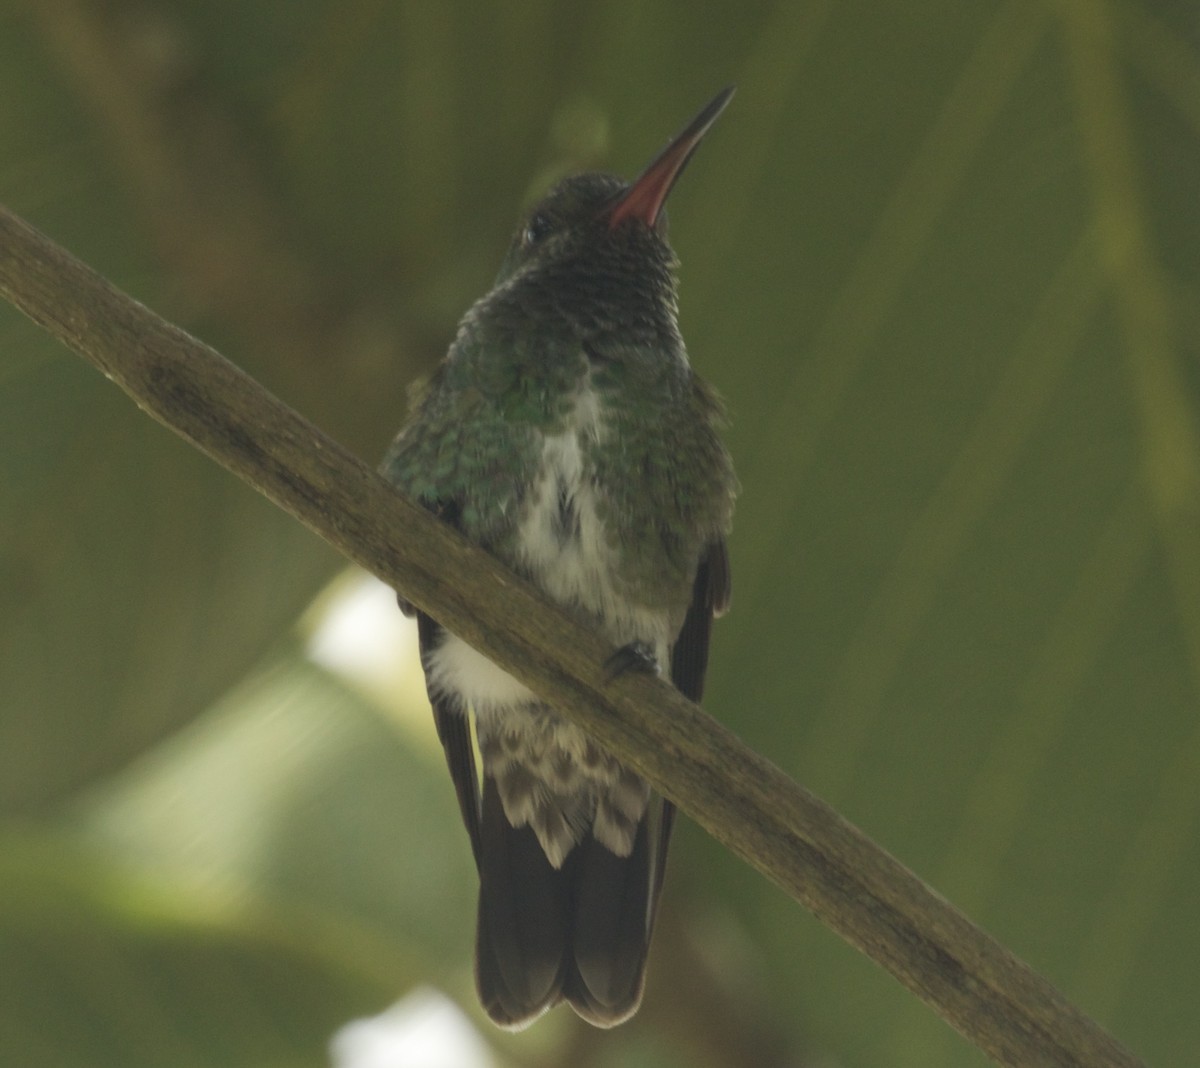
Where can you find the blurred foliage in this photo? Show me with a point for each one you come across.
(944, 263)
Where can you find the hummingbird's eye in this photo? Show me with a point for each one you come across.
(536, 230)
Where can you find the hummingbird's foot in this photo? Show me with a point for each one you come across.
(405, 606)
(636, 657)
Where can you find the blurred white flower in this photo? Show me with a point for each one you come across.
(423, 1030)
(356, 631)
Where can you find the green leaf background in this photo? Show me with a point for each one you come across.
(942, 260)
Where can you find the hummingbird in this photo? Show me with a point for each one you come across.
(566, 433)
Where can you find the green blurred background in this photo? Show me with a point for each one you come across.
(943, 260)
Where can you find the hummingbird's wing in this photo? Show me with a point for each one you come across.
(449, 715)
(711, 593)
(454, 732)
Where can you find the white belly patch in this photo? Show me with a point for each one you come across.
(566, 550)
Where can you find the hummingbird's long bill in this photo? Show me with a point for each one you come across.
(649, 191)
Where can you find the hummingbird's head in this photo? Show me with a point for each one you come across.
(568, 226)
(597, 228)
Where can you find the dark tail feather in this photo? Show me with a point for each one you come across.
(522, 937)
(611, 931)
(580, 933)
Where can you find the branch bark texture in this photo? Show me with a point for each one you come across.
(748, 804)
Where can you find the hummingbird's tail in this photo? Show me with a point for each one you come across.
(578, 933)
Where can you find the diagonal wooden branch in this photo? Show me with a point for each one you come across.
(744, 801)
